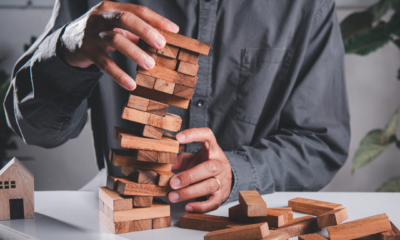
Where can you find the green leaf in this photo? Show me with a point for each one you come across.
(355, 23)
(379, 9)
(391, 127)
(392, 185)
(373, 144)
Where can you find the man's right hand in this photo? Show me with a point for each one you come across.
(111, 26)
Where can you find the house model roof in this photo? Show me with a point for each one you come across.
(15, 162)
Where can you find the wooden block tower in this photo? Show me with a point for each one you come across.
(131, 203)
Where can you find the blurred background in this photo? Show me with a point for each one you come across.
(372, 85)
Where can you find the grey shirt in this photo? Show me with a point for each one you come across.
(272, 89)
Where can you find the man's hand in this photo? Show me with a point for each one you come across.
(111, 26)
(199, 171)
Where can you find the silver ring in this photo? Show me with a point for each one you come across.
(219, 184)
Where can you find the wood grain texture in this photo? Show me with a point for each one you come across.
(185, 42)
(169, 51)
(247, 232)
(156, 157)
(288, 210)
(134, 142)
(274, 218)
(153, 55)
(162, 97)
(332, 218)
(158, 209)
(142, 201)
(312, 207)
(134, 159)
(147, 105)
(141, 176)
(393, 234)
(162, 222)
(164, 177)
(313, 236)
(151, 132)
(126, 226)
(145, 80)
(114, 200)
(158, 108)
(17, 183)
(145, 46)
(166, 62)
(300, 226)
(252, 203)
(275, 235)
(183, 91)
(360, 228)
(127, 187)
(188, 68)
(164, 86)
(203, 222)
(188, 56)
(169, 75)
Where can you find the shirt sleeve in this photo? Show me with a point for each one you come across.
(46, 103)
(312, 140)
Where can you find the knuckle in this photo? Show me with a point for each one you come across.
(119, 78)
(103, 4)
(212, 167)
(212, 186)
(187, 178)
(142, 9)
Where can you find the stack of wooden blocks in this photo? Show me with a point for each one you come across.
(131, 203)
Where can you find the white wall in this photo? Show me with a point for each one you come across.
(372, 87)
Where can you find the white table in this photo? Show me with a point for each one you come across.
(75, 215)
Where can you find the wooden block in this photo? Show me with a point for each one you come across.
(311, 237)
(153, 55)
(169, 51)
(288, 210)
(114, 200)
(111, 183)
(170, 122)
(126, 226)
(162, 222)
(312, 207)
(360, 228)
(332, 218)
(140, 225)
(135, 159)
(157, 157)
(151, 132)
(169, 75)
(163, 145)
(142, 201)
(300, 226)
(158, 108)
(203, 222)
(145, 81)
(393, 234)
(164, 177)
(147, 105)
(145, 46)
(127, 187)
(166, 62)
(247, 232)
(252, 203)
(188, 56)
(275, 235)
(185, 42)
(183, 91)
(274, 218)
(162, 97)
(188, 68)
(141, 176)
(164, 86)
(101, 204)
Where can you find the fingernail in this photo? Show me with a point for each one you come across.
(131, 85)
(174, 27)
(174, 196)
(189, 208)
(175, 182)
(160, 41)
(180, 136)
(149, 63)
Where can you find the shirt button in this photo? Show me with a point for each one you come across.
(200, 102)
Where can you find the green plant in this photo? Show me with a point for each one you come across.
(365, 32)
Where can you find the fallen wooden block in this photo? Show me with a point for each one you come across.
(332, 218)
(247, 232)
(312, 207)
(145, 81)
(141, 176)
(393, 234)
(185, 42)
(275, 235)
(300, 226)
(142, 159)
(162, 222)
(164, 86)
(188, 68)
(169, 51)
(163, 145)
(147, 105)
(164, 177)
(203, 222)
(252, 203)
(142, 201)
(114, 200)
(360, 228)
(188, 56)
(161, 97)
(287, 210)
(183, 91)
(169, 75)
(273, 218)
(126, 226)
(127, 187)
(145, 46)
(311, 237)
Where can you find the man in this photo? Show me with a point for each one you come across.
(269, 112)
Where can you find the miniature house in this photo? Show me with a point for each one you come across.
(16, 191)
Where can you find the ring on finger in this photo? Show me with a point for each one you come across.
(219, 184)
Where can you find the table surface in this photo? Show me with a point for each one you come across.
(75, 215)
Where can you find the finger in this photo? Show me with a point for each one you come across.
(200, 189)
(202, 207)
(105, 63)
(129, 49)
(196, 135)
(202, 171)
(132, 37)
(182, 161)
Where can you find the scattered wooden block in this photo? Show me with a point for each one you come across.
(274, 218)
(164, 177)
(166, 62)
(111, 183)
(126, 226)
(162, 222)
(142, 201)
(247, 232)
(312, 207)
(252, 203)
(145, 81)
(275, 235)
(164, 86)
(141, 176)
(188, 56)
(393, 234)
(161, 97)
(360, 228)
(185, 42)
(151, 132)
(188, 68)
(203, 222)
(169, 75)
(332, 218)
(141, 159)
(183, 91)
(163, 145)
(300, 226)
(169, 51)
(114, 200)
(311, 237)
(288, 210)
(145, 46)
(127, 187)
